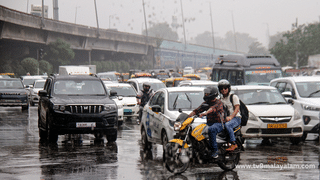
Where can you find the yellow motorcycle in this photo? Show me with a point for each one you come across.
(191, 144)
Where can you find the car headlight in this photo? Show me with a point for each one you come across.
(59, 108)
(177, 126)
(110, 107)
(252, 117)
(309, 108)
(296, 115)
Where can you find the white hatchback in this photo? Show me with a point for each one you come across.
(117, 100)
(127, 96)
(269, 114)
(157, 127)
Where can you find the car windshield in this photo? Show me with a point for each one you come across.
(162, 76)
(79, 87)
(10, 84)
(154, 86)
(261, 76)
(185, 100)
(124, 91)
(309, 89)
(110, 76)
(261, 97)
(29, 81)
(39, 84)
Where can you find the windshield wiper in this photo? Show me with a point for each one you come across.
(175, 102)
(280, 103)
(313, 93)
(189, 100)
(258, 103)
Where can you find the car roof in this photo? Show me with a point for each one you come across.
(299, 78)
(142, 80)
(179, 89)
(40, 80)
(198, 82)
(75, 77)
(118, 85)
(17, 79)
(32, 77)
(251, 87)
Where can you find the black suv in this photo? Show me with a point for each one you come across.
(76, 104)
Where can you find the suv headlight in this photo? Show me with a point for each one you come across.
(59, 108)
(310, 108)
(252, 117)
(110, 107)
(296, 115)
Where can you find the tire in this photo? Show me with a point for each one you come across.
(229, 160)
(51, 133)
(173, 161)
(112, 138)
(98, 136)
(144, 140)
(43, 135)
(164, 139)
(295, 140)
(304, 136)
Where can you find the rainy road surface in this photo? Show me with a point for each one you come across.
(23, 157)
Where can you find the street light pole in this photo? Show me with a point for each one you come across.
(212, 33)
(75, 18)
(95, 5)
(234, 32)
(184, 30)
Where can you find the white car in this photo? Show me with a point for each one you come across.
(157, 127)
(137, 83)
(117, 99)
(269, 114)
(198, 83)
(37, 86)
(304, 94)
(127, 96)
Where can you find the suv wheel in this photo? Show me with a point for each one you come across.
(52, 135)
(112, 138)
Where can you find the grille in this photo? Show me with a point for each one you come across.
(277, 119)
(276, 131)
(84, 109)
(129, 105)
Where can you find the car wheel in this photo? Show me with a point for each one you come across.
(42, 134)
(144, 140)
(51, 133)
(164, 139)
(304, 136)
(112, 138)
(295, 140)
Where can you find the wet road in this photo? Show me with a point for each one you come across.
(23, 157)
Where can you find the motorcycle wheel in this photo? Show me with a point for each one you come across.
(173, 160)
(229, 160)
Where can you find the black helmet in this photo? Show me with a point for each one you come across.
(223, 83)
(210, 93)
(146, 86)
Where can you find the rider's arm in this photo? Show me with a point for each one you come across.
(235, 112)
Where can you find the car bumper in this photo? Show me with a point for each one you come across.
(310, 119)
(35, 99)
(131, 111)
(23, 101)
(257, 129)
(66, 123)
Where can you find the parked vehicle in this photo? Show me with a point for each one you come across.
(12, 93)
(270, 116)
(241, 69)
(303, 93)
(162, 110)
(76, 104)
(37, 86)
(191, 144)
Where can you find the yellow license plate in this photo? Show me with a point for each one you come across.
(274, 126)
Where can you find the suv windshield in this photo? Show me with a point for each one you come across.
(124, 91)
(308, 89)
(261, 76)
(39, 84)
(78, 87)
(259, 96)
(185, 100)
(154, 86)
(10, 84)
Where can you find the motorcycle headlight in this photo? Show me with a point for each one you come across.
(59, 108)
(252, 117)
(110, 107)
(309, 108)
(296, 115)
(177, 126)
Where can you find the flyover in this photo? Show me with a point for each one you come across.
(35, 32)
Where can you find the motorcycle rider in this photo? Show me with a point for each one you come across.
(234, 119)
(143, 97)
(214, 113)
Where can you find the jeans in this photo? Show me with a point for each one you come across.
(213, 130)
(232, 124)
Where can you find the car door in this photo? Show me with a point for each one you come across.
(158, 117)
(44, 102)
(148, 117)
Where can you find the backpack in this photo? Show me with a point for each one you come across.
(243, 111)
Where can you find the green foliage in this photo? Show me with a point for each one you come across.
(303, 41)
(162, 31)
(30, 65)
(59, 53)
(256, 48)
(104, 66)
(45, 67)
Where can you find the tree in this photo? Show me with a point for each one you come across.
(162, 31)
(59, 53)
(276, 38)
(45, 67)
(30, 65)
(256, 48)
(204, 39)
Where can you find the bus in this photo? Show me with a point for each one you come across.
(240, 69)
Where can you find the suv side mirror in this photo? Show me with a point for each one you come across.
(156, 108)
(42, 93)
(287, 94)
(113, 93)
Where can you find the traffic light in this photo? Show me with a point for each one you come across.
(40, 54)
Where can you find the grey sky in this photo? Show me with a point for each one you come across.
(250, 16)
